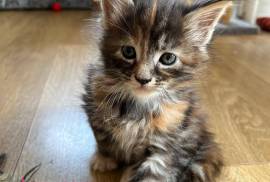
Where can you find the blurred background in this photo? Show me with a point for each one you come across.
(30, 4)
(240, 19)
(45, 47)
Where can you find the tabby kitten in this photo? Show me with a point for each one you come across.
(140, 98)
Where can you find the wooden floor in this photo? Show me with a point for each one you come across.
(42, 55)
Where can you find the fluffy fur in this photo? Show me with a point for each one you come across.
(155, 129)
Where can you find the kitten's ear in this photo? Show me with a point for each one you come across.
(114, 9)
(199, 25)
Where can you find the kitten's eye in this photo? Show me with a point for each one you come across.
(168, 59)
(129, 52)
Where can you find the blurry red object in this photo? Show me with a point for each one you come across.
(264, 23)
(56, 6)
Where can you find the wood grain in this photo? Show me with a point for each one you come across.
(60, 137)
(42, 58)
(29, 50)
(23, 70)
(238, 99)
(246, 173)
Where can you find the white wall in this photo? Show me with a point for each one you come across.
(250, 8)
(263, 8)
(2, 3)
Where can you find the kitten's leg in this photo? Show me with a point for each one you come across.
(103, 163)
(153, 169)
(205, 167)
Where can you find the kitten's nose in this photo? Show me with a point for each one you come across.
(143, 81)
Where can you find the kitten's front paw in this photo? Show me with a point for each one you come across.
(102, 163)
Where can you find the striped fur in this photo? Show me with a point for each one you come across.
(156, 131)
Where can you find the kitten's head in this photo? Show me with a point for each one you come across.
(153, 47)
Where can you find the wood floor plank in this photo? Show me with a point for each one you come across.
(28, 49)
(60, 137)
(23, 72)
(238, 103)
(246, 173)
(252, 57)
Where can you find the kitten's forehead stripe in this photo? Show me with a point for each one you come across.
(153, 12)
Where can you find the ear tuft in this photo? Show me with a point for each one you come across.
(199, 25)
(114, 10)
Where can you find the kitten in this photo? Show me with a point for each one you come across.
(140, 98)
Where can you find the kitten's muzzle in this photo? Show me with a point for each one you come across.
(143, 73)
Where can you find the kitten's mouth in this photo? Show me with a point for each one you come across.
(142, 90)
